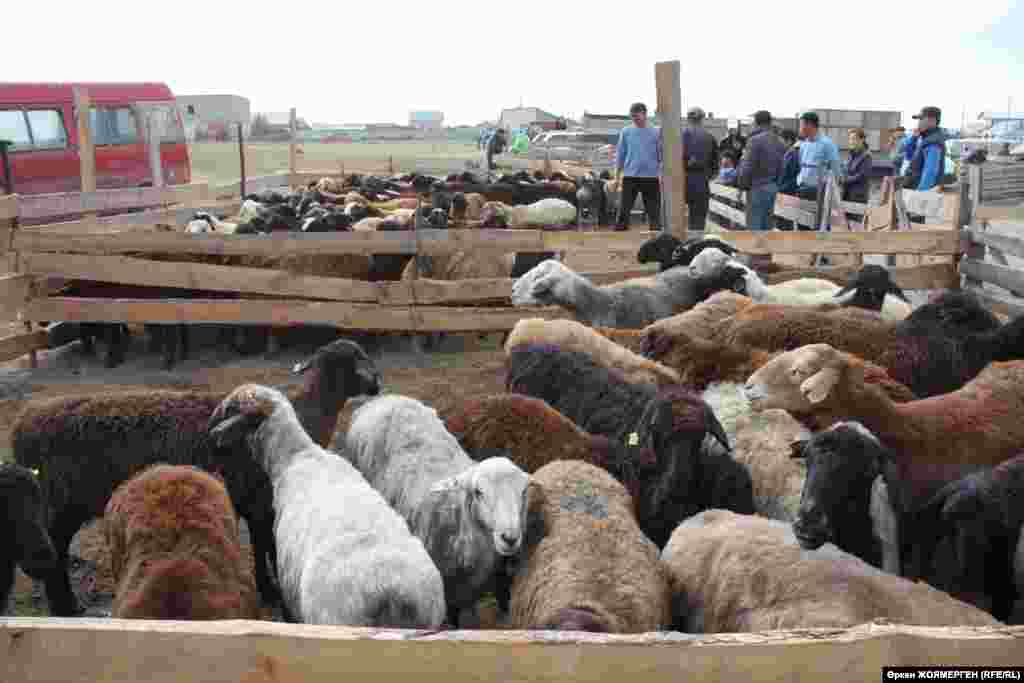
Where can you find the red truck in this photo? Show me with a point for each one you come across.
(38, 118)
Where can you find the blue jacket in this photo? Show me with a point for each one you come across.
(816, 157)
(638, 154)
(857, 174)
(762, 160)
(929, 161)
(701, 159)
(790, 170)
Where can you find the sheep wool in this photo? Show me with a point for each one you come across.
(743, 573)
(23, 528)
(174, 548)
(586, 566)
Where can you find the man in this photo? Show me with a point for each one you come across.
(733, 142)
(638, 162)
(897, 143)
(495, 145)
(701, 157)
(818, 157)
(928, 163)
(759, 172)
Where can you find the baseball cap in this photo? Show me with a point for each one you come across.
(810, 117)
(695, 114)
(930, 112)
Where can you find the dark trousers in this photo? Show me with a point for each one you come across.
(698, 204)
(651, 191)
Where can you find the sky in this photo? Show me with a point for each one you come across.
(362, 63)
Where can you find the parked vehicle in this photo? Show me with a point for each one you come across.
(38, 118)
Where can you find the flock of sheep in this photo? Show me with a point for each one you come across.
(701, 451)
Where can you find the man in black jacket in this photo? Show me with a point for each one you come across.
(701, 157)
(759, 172)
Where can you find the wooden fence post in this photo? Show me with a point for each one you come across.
(241, 162)
(975, 250)
(676, 218)
(293, 161)
(86, 149)
(153, 130)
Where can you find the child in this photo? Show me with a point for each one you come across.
(727, 174)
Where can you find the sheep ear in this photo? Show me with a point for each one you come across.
(302, 366)
(895, 290)
(817, 387)
(796, 449)
(845, 290)
(235, 428)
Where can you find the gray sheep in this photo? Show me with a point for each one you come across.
(344, 556)
(469, 515)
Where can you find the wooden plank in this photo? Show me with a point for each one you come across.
(930, 242)
(66, 203)
(1000, 275)
(725, 191)
(739, 218)
(18, 345)
(8, 206)
(141, 220)
(1009, 245)
(127, 651)
(929, 203)
(86, 148)
(929, 276)
(670, 109)
(254, 185)
(794, 209)
(14, 292)
(999, 213)
(154, 130)
(284, 312)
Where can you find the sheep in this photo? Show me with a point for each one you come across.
(23, 522)
(934, 441)
(845, 498)
(659, 250)
(626, 304)
(533, 434)
(592, 200)
(467, 206)
(84, 447)
(174, 551)
(740, 573)
(574, 336)
(586, 566)
(346, 557)
(982, 515)
(873, 287)
(932, 352)
(666, 427)
(469, 515)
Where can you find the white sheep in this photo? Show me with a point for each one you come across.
(469, 515)
(813, 291)
(344, 556)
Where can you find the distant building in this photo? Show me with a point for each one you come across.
(521, 117)
(605, 122)
(426, 120)
(211, 115)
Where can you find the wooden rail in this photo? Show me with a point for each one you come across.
(128, 651)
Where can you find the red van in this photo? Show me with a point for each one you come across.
(39, 119)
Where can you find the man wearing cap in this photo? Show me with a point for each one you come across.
(818, 156)
(701, 157)
(928, 163)
(638, 161)
(759, 172)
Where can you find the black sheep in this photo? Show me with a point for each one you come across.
(665, 428)
(659, 250)
(85, 447)
(23, 521)
(983, 517)
(688, 250)
(870, 285)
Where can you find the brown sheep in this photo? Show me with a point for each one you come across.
(531, 433)
(934, 441)
(585, 565)
(740, 573)
(174, 548)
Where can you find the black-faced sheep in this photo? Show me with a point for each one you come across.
(586, 566)
(345, 557)
(84, 447)
(23, 521)
(469, 515)
(740, 573)
(934, 351)
(666, 428)
(630, 304)
(669, 251)
(934, 441)
(982, 514)
(172, 535)
(574, 336)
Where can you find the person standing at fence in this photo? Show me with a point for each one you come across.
(928, 163)
(790, 171)
(759, 172)
(638, 162)
(495, 145)
(818, 157)
(855, 183)
(701, 157)
(733, 142)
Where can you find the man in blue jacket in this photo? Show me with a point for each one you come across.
(638, 161)
(928, 164)
(759, 172)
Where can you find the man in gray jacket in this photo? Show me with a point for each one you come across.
(760, 169)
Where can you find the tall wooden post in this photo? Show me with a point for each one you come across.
(293, 152)
(86, 150)
(666, 77)
(241, 161)
(154, 129)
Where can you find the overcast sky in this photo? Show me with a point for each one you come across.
(346, 62)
